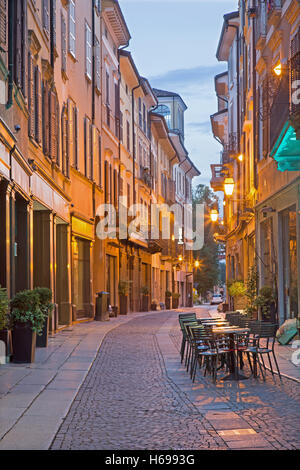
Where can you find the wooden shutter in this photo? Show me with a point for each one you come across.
(53, 137)
(75, 123)
(46, 14)
(110, 184)
(53, 21)
(99, 159)
(45, 118)
(3, 23)
(91, 152)
(18, 44)
(115, 188)
(86, 145)
(63, 44)
(31, 97)
(70, 142)
(64, 143)
(38, 105)
(106, 183)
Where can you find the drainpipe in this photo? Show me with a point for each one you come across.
(133, 141)
(52, 45)
(11, 20)
(119, 146)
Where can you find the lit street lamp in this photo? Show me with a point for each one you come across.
(214, 215)
(229, 186)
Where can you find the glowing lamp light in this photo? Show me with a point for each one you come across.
(180, 258)
(214, 215)
(197, 264)
(240, 157)
(224, 203)
(278, 70)
(229, 186)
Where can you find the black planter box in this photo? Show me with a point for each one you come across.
(123, 304)
(42, 341)
(168, 303)
(175, 303)
(24, 342)
(145, 303)
(5, 336)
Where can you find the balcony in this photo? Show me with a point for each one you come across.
(219, 124)
(218, 177)
(274, 11)
(261, 25)
(279, 112)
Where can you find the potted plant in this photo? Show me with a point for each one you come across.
(145, 298)
(47, 307)
(237, 290)
(266, 303)
(123, 296)
(154, 305)
(175, 300)
(27, 319)
(5, 333)
(168, 299)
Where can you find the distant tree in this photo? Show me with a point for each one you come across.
(209, 273)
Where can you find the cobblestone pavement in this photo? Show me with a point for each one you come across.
(131, 401)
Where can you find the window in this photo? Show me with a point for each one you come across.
(107, 88)
(128, 136)
(72, 28)
(17, 55)
(98, 6)
(144, 118)
(121, 127)
(3, 23)
(166, 113)
(63, 44)
(140, 114)
(65, 141)
(46, 15)
(88, 51)
(97, 64)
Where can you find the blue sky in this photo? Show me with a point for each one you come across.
(174, 45)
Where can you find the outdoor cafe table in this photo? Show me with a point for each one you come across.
(231, 331)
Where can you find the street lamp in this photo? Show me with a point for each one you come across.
(229, 186)
(240, 157)
(214, 215)
(180, 258)
(197, 264)
(278, 69)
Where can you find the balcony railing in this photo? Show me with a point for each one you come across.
(295, 74)
(279, 112)
(261, 22)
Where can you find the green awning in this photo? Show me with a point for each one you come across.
(286, 151)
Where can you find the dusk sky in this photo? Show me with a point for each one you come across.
(174, 45)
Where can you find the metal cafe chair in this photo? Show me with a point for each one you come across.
(184, 317)
(267, 332)
(189, 349)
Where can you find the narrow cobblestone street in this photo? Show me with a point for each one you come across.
(137, 396)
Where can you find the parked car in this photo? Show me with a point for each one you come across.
(216, 299)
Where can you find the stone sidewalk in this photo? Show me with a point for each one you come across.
(35, 398)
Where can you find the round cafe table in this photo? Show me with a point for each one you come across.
(231, 331)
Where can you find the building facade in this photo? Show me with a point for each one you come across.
(78, 129)
(257, 124)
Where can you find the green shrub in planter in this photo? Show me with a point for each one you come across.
(27, 319)
(47, 307)
(5, 333)
(175, 296)
(4, 304)
(168, 297)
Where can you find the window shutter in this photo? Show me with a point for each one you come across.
(45, 118)
(18, 44)
(106, 183)
(110, 184)
(91, 152)
(99, 160)
(46, 15)
(64, 144)
(63, 44)
(115, 188)
(38, 106)
(53, 21)
(75, 119)
(3, 23)
(86, 145)
(53, 138)
(71, 134)
(31, 97)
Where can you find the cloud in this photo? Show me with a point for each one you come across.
(203, 127)
(185, 77)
